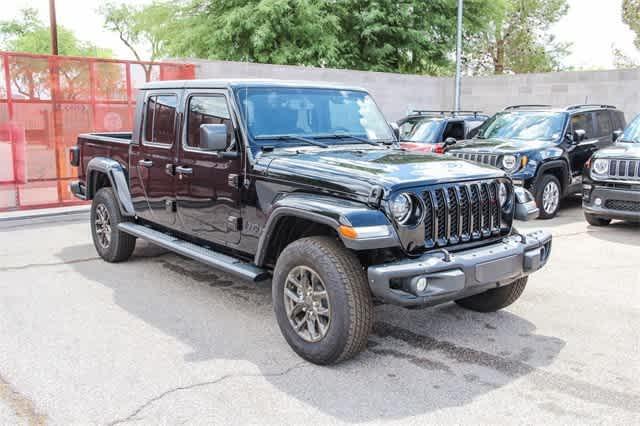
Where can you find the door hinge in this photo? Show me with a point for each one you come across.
(235, 181)
(235, 223)
(170, 206)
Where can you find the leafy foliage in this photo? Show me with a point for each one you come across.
(517, 39)
(28, 33)
(631, 17)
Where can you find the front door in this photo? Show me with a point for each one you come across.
(208, 182)
(152, 160)
(580, 152)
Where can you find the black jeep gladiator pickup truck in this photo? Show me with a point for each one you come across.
(306, 185)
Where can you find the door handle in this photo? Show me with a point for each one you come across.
(184, 170)
(145, 163)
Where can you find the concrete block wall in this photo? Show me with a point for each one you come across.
(398, 93)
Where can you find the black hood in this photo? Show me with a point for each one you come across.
(500, 146)
(357, 170)
(621, 150)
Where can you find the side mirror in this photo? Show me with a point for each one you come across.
(213, 137)
(617, 134)
(396, 130)
(579, 135)
(449, 142)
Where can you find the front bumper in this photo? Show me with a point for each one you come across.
(591, 205)
(458, 275)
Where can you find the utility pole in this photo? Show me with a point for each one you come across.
(456, 101)
(54, 27)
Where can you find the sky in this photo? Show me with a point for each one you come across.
(593, 27)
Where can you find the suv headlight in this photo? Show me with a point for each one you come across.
(600, 167)
(401, 206)
(509, 163)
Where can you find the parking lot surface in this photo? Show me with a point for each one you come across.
(164, 340)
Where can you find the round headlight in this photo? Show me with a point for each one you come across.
(600, 166)
(401, 207)
(509, 163)
(503, 194)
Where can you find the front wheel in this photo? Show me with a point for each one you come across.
(112, 244)
(321, 300)
(548, 194)
(496, 298)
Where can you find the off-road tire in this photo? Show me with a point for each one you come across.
(539, 190)
(496, 298)
(351, 314)
(122, 244)
(596, 221)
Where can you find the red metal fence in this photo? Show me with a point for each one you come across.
(46, 101)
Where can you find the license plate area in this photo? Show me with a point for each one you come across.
(498, 270)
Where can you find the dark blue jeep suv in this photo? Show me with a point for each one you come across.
(543, 148)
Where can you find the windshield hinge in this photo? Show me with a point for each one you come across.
(375, 196)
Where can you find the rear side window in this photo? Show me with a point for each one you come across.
(160, 119)
(583, 121)
(206, 109)
(604, 123)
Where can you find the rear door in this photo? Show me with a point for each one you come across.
(208, 189)
(152, 160)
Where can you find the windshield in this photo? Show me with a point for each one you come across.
(310, 113)
(632, 132)
(426, 131)
(524, 125)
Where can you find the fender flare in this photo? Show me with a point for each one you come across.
(326, 211)
(117, 176)
(555, 164)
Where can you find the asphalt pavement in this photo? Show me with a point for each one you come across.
(164, 340)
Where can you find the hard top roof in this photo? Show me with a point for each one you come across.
(241, 83)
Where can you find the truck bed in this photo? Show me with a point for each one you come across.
(113, 145)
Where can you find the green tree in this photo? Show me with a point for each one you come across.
(299, 32)
(413, 36)
(518, 39)
(141, 28)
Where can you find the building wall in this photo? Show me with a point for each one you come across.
(398, 93)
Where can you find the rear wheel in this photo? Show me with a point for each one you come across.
(548, 195)
(596, 221)
(321, 300)
(112, 244)
(496, 298)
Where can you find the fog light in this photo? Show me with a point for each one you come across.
(421, 284)
(597, 202)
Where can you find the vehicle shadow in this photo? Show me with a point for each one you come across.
(627, 233)
(417, 360)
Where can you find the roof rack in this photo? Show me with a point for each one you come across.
(579, 106)
(511, 107)
(445, 112)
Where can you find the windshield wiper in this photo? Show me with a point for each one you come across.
(291, 138)
(354, 137)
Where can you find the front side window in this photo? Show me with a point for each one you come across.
(160, 119)
(310, 113)
(426, 131)
(524, 125)
(584, 122)
(206, 109)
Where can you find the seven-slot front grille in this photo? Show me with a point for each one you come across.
(490, 159)
(461, 212)
(624, 169)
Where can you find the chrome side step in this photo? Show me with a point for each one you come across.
(196, 252)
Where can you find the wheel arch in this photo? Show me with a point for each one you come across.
(102, 172)
(560, 169)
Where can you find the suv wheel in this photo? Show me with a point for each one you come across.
(548, 195)
(111, 244)
(321, 300)
(596, 221)
(496, 298)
